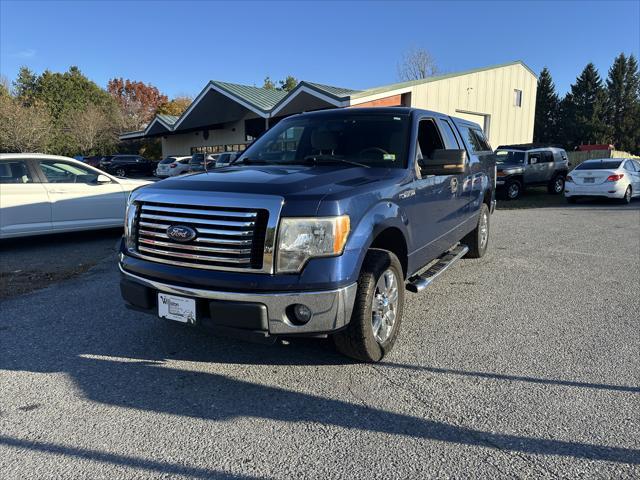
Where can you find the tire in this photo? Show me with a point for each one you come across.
(571, 199)
(478, 240)
(627, 196)
(556, 185)
(359, 340)
(513, 189)
(121, 172)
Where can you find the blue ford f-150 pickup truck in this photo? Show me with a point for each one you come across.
(316, 229)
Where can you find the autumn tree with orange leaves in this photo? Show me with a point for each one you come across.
(138, 101)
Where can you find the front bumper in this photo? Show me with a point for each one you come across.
(269, 313)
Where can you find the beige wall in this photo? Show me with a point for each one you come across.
(488, 93)
(181, 144)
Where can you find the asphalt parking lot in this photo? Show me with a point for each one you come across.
(525, 363)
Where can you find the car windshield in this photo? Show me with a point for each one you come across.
(369, 140)
(599, 165)
(509, 156)
(168, 160)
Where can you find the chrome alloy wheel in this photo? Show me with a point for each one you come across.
(513, 191)
(558, 185)
(385, 306)
(484, 229)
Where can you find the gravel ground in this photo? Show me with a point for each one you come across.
(522, 364)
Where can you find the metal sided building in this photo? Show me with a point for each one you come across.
(228, 116)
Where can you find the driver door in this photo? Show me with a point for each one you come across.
(534, 171)
(78, 200)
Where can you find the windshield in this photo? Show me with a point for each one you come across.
(599, 165)
(372, 140)
(508, 156)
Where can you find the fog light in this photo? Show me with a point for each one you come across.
(302, 313)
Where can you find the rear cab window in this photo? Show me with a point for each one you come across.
(475, 139)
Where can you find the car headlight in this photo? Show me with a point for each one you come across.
(300, 239)
(130, 225)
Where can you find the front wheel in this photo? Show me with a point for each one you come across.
(513, 189)
(121, 172)
(377, 310)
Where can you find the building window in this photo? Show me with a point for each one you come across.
(517, 98)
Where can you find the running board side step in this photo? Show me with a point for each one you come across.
(417, 283)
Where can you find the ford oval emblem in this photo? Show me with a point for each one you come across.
(181, 233)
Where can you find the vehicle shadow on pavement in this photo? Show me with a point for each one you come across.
(127, 367)
(515, 378)
(163, 468)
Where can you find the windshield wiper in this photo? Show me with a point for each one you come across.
(333, 158)
(247, 161)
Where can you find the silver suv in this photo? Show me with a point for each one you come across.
(521, 166)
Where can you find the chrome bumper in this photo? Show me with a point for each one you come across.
(331, 309)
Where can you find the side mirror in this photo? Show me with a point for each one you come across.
(102, 179)
(533, 161)
(444, 162)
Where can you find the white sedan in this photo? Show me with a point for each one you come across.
(173, 166)
(617, 178)
(42, 194)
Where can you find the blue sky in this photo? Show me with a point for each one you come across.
(179, 46)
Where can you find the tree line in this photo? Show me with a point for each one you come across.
(593, 111)
(68, 114)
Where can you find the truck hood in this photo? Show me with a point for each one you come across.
(304, 186)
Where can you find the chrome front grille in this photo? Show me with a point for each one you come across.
(227, 238)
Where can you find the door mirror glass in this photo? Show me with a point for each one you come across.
(103, 179)
(444, 162)
(533, 160)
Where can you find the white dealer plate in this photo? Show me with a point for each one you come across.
(176, 308)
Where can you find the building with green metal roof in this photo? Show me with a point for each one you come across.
(227, 116)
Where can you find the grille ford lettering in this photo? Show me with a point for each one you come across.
(181, 233)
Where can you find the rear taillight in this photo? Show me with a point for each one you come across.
(568, 179)
(173, 165)
(615, 178)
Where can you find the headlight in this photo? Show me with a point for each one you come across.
(130, 225)
(300, 239)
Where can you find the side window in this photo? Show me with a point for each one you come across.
(630, 166)
(546, 157)
(535, 158)
(449, 137)
(517, 98)
(61, 172)
(428, 139)
(475, 139)
(15, 171)
(637, 164)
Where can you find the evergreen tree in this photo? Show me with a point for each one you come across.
(547, 108)
(26, 87)
(617, 101)
(584, 110)
(633, 115)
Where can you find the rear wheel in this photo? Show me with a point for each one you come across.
(627, 195)
(513, 189)
(478, 240)
(377, 311)
(556, 185)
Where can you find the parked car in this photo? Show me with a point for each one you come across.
(48, 194)
(521, 166)
(226, 158)
(606, 178)
(198, 160)
(172, 166)
(125, 165)
(316, 235)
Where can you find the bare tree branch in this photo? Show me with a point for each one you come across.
(23, 129)
(416, 64)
